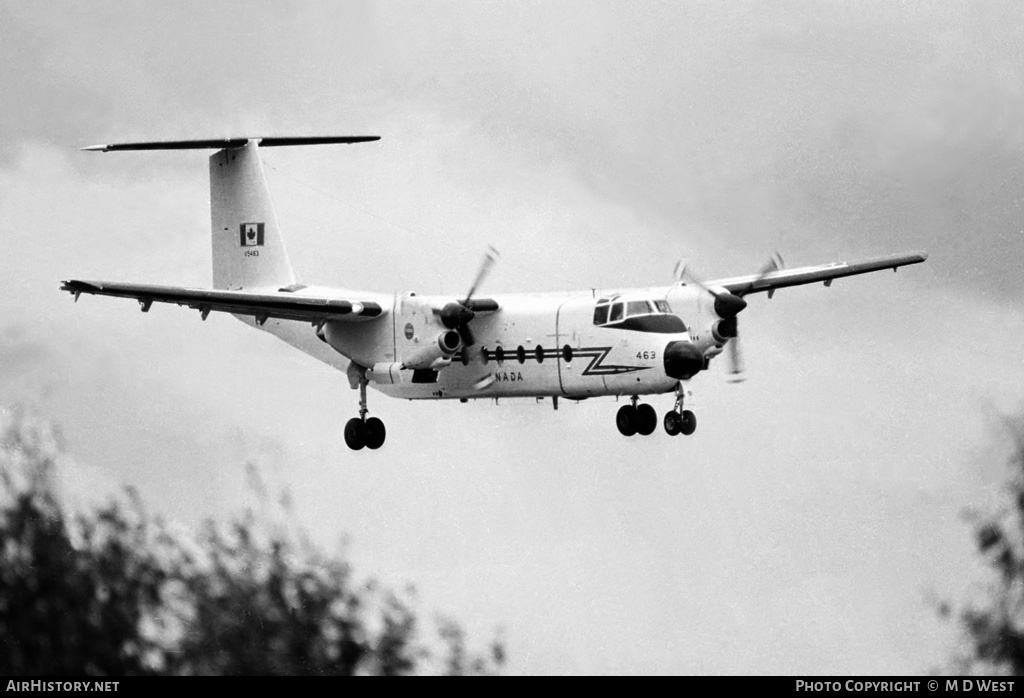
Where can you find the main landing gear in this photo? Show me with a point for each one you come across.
(360, 431)
(642, 419)
(636, 419)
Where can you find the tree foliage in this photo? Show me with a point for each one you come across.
(115, 591)
(994, 623)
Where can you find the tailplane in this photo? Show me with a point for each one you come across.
(248, 248)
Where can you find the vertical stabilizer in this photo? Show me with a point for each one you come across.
(248, 250)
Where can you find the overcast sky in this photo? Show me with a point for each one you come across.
(806, 525)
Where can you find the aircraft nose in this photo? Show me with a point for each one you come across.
(682, 360)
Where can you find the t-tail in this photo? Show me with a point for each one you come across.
(248, 247)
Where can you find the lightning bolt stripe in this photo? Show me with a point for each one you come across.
(596, 367)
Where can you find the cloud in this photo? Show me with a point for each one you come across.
(594, 145)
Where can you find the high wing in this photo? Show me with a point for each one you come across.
(285, 304)
(771, 281)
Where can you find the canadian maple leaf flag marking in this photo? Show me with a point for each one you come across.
(251, 234)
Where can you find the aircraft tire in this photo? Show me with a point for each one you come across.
(673, 423)
(689, 423)
(375, 433)
(646, 420)
(355, 433)
(626, 420)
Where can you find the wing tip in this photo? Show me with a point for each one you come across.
(77, 286)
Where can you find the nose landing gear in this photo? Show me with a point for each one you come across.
(360, 431)
(680, 421)
(684, 423)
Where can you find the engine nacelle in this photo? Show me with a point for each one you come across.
(727, 305)
(435, 355)
(724, 330)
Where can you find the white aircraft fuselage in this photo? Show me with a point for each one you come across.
(533, 345)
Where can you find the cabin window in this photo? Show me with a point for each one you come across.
(616, 313)
(521, 354)
(539, 353)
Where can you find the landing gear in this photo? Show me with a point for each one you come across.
(360, 431)
(680, 421)
(642, 419)
(646, 420)
(375, 433)
(689, 424)
(636, 419)
(355, 433)
(625, 420)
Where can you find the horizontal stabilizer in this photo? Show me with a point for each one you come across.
(218, 143)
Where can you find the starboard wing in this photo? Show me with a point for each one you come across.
(770, 282)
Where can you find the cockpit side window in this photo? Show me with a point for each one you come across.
(600, 314)
(616, 313)
(663, 306)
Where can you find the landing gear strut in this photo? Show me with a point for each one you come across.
(360, 431)
(636, 419)
(680, 421)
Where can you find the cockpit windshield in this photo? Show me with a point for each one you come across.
(642, 314)
(634, 308)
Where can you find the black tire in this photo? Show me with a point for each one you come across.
(355, 433)
(673, 423)
(626, 420)
(646, 420)
(375, 433)
(689, 423)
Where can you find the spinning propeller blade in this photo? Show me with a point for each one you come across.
(457, 315)
(490, 257)
(728, 305)
(737, 370)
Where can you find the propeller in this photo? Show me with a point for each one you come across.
(457, 315)
(737, 370)
(727, 306)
